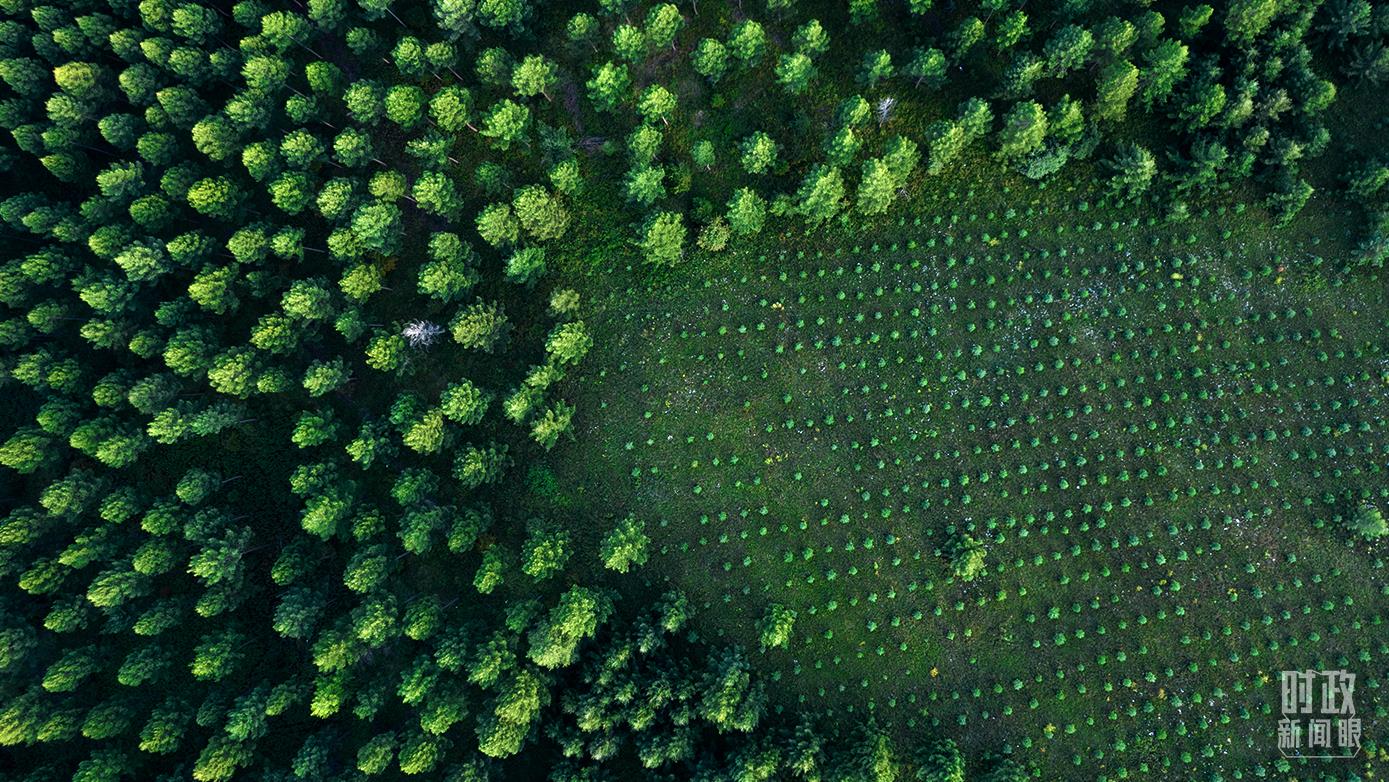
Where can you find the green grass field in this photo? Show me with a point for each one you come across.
(1146, 424)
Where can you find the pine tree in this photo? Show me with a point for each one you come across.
(625, 545)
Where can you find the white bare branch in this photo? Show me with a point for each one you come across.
(421, 333)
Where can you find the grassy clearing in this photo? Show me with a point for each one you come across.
(1155, 430)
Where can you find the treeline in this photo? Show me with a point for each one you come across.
(715, 122)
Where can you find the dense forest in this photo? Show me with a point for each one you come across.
(768, 389)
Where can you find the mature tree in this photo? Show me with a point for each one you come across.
(715, 234)
(324, 377)
(794, 72)
(1132, 171)
(927, 66)
(1289, 196)
(710, 59)
(452, 108)
(506, 123)
(525, 265)
(941, 761)
(656, 102)
(747, 42)
(821, 194)
(842, 147)
(541, 214)
(546, 549)
(702, 153)
(1068, 49)
(464, 403)
(535, 75)
(811, 39)
(1024, 129)
(629, 43)
(876, 66)
(582, 29)
(1005, 771)
(1024, 70)
(663, 23)
(663, 238)
(499, 14)
(759, 153)
(405, 105)
(1364, 182)
(945, 140)
(435, 193)
(554, 421)
(566, 177)
(497, 225)
(377, 225)
(1245, 20)
(776, 626)
(964, 37)
(1369, 523)
(966, 558)
(877, 186)
(555, 640)
(1165, 65)
(216, 197)
(976, 118)
(1114, 36)
(480, 326)
(1118, 82)
(747, 211)
(728, 697)
(492, 572)
(1010, 30)
(450, 271)
(1203, 102)
(1369, 63)
(475, 466)
(609, 86)
(644, 144)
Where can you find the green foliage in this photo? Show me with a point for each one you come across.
(554, 641)
(507, 123)
(497, 225)
(748, 42)
(1369, 523)
(541, 214)
(794, 72)
(480, 326)
(663, 238)
(609, 86)
(759, 153)
(966, 558)
(877, 187)
(625, 545)
(1024, 129)
(546, 550)
(535, 75)
(927, 67)
(645, 185)
(747, 212)
(1133, 170)
(776, 626)
(710, 59)
(1118, 82)
(821, 195)
(945, 140)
